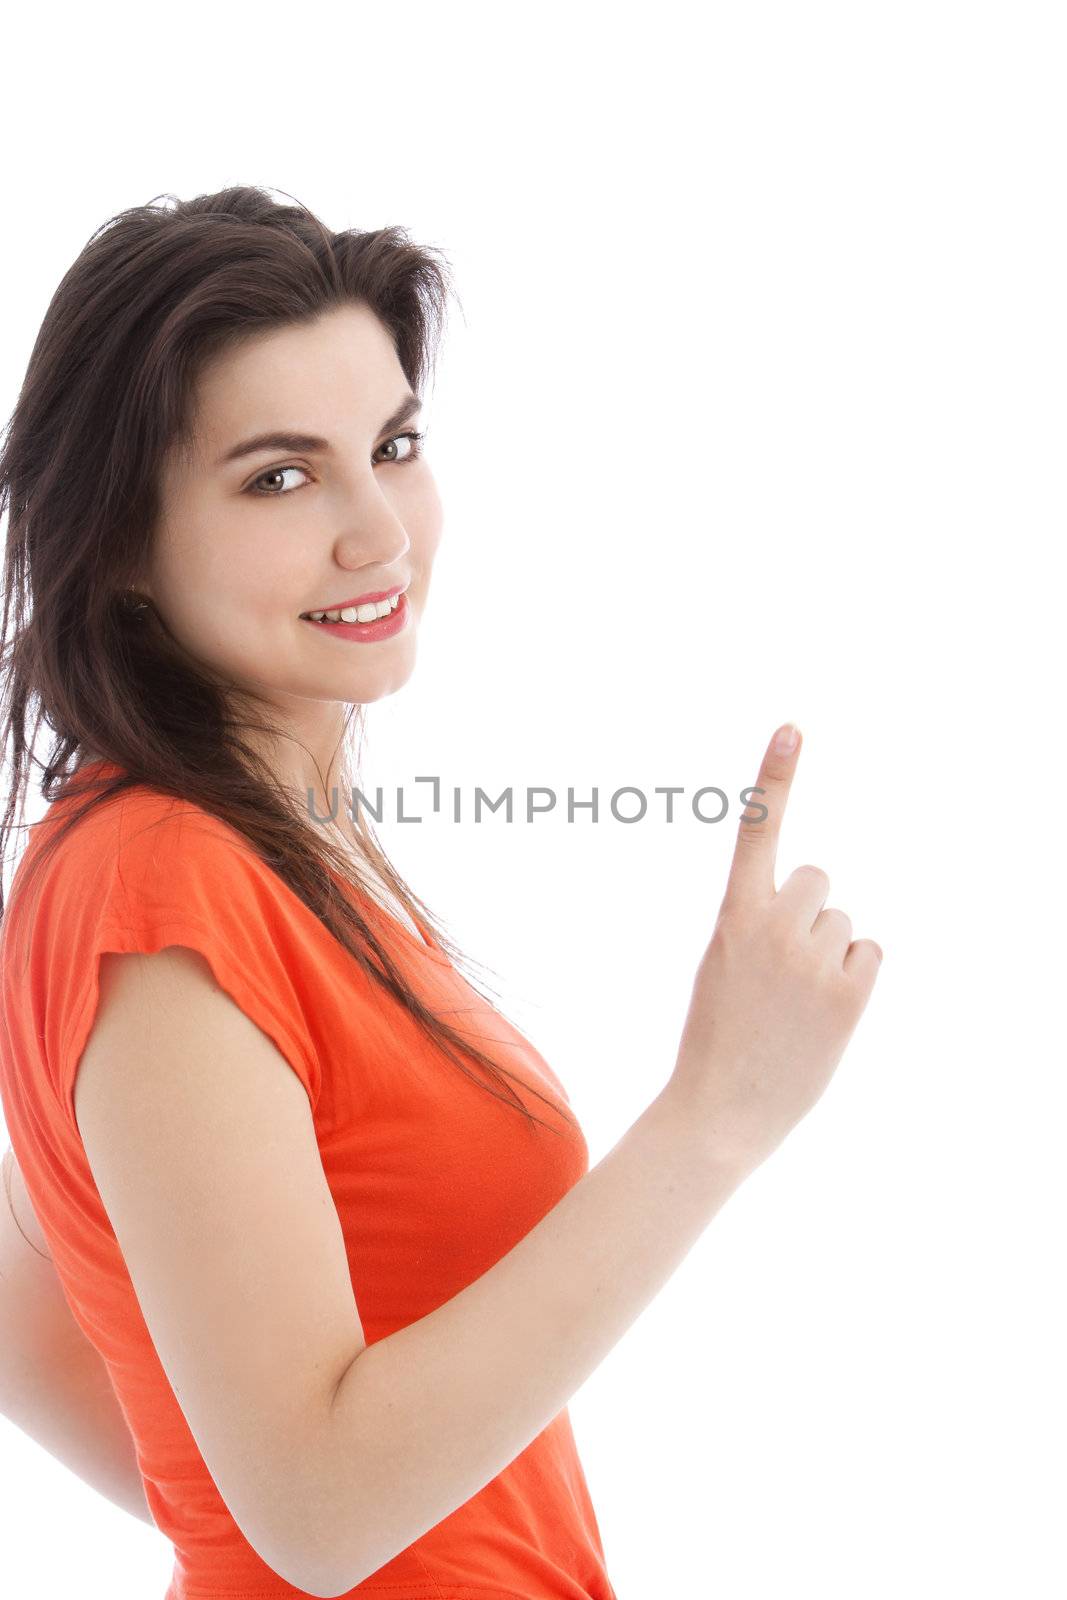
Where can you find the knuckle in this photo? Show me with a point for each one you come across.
(791, 940)
(871, 954)
(815, 874)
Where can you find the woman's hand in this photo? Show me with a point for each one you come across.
(777, 994)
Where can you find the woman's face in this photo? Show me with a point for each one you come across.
(249, 543)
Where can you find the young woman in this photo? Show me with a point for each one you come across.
(331, 1264)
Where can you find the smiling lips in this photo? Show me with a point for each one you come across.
(366, 624)
(363, 600)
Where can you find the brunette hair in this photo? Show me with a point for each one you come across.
(157, 292)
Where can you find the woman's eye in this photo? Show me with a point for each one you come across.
(413, 441)
(272, 472)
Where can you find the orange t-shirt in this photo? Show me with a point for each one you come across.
(433, 1178)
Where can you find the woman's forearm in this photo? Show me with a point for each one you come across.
(422, 1419)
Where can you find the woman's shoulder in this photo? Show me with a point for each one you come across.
(138, 845)
(121, 816)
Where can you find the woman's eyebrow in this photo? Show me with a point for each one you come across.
(310, 442)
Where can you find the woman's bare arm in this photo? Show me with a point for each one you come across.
(332, 1457)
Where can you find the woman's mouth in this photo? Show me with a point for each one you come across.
(367, 623)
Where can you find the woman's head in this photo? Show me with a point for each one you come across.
(248, 542)
(179, 332)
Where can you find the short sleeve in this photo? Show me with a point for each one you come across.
(175, 875)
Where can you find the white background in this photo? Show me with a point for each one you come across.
(754, 412)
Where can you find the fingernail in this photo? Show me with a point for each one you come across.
(786, 738)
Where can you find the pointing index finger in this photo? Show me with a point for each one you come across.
(752, 868)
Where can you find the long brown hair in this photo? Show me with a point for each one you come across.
(158, 291)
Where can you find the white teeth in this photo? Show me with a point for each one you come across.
(367, 613)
